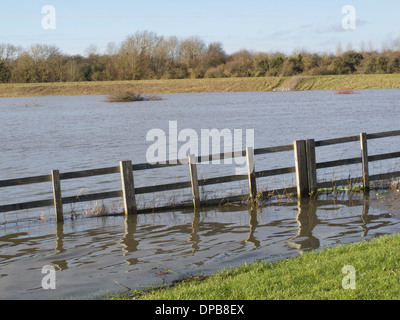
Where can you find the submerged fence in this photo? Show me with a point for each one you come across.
(305, 168)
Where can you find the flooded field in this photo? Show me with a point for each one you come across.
(92, 253)
(96, 256)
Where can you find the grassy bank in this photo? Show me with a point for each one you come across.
(315, 275)
(140, 87)
(361, 81)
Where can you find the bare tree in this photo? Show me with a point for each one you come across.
(40, 52)
(137, 51)
(9, 51)
(396, 44)
(192, 47)
(111, 49)
(92, 50)
(172, 46)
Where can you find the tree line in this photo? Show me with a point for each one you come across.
(146, 55)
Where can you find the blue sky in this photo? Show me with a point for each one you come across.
(268, 26)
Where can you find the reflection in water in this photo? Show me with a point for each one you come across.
(194, 235)
(60, 264)
(306, 220)
(129, 249)
(364, 216)
(253, 222)
(60, 237)
(128, 242)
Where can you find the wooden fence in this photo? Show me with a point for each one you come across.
(305, 169)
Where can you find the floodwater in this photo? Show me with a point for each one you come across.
(92, 253)
(97, 256)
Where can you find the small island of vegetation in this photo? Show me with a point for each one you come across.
(130, 97)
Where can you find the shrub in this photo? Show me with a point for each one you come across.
(130, 97)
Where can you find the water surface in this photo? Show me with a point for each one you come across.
(39, 134)
(93, 255)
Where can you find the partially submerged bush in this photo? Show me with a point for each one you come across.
(130, 97)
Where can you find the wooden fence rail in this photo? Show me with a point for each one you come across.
(305, 169)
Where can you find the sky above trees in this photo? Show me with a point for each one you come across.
(267, 26)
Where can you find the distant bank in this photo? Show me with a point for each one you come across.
(329, 82)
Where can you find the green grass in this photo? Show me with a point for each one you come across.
(316, 275)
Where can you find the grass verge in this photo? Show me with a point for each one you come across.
(316, 275)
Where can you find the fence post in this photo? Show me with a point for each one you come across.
(128, 187)
(58, 206)
(301, 168)
(251, 172)
(311, 166)
(194, 180)
(364, 155)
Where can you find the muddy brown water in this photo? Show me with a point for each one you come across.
(96, 256)
(92, 254)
